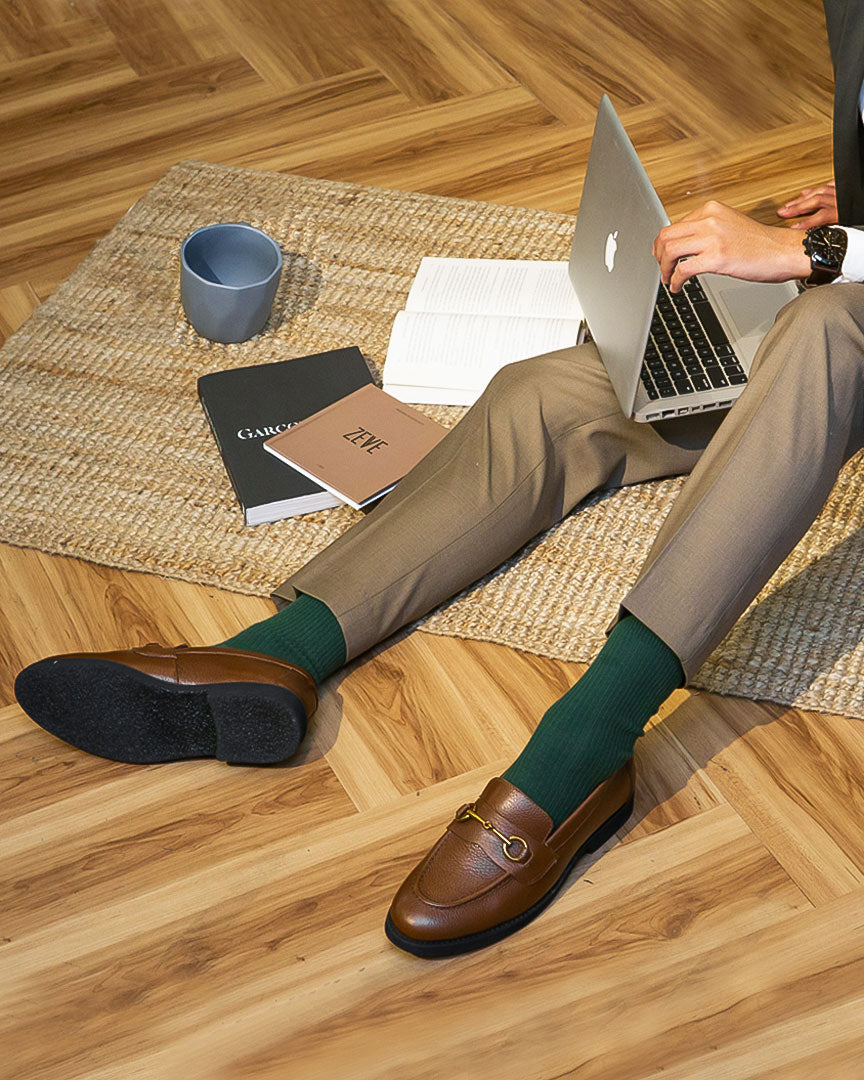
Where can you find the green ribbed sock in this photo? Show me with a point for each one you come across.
(306, 632)
(590, 732)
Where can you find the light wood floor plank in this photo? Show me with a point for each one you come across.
(435, 144)
(148, 35)
(788, 773)
(25, 32)
(424, 51)
(137, 109)
(58, 79)
(16, 304)
(291, 45)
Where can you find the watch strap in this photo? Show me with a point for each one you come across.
(821, 276)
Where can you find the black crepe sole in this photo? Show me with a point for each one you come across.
(116, 712)
(470, 942)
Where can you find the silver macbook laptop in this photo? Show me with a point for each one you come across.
(667, 355)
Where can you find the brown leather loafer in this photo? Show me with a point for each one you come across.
(159, 703)
(498, 865)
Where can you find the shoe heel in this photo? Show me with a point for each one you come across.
(609, 828)
(256, 723)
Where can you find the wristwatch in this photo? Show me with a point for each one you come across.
(826, 247)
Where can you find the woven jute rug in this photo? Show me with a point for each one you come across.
(107, 455)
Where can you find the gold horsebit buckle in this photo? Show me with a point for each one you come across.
(470, 811)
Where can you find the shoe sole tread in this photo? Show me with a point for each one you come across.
(117, 712)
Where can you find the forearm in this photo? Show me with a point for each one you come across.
(788, 252)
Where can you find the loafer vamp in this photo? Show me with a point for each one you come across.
(497, 866)
(476, 877)
(455, 891)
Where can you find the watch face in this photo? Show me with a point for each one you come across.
(826, 247)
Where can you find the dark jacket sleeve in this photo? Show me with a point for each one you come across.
(844, 20)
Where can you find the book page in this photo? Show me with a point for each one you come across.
(432, 395)
(540, 289)
(465, 351)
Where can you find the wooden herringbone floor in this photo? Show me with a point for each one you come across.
(197, 921)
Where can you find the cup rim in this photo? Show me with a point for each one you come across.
(184, 263)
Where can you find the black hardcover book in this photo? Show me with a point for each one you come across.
(247, 405)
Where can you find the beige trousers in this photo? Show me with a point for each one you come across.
(548, 431)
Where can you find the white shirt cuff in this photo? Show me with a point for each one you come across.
(853, 261)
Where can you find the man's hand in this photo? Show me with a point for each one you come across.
(818, 203)
(719, 240)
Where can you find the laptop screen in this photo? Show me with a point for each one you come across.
(612, 267)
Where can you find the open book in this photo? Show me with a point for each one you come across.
(466, 318)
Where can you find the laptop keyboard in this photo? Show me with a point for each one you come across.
(687, 349)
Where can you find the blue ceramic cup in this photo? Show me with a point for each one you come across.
(228, 279)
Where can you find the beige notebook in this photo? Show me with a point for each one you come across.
(360, 446)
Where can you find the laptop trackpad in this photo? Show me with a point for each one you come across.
(748, 308)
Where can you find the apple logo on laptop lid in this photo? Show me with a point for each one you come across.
(611, 248)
